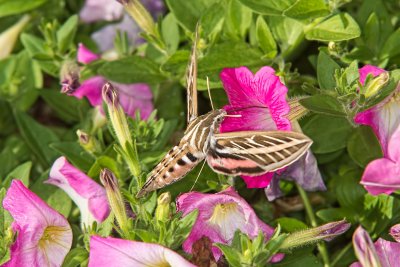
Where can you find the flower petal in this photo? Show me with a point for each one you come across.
(119, 252)
(89, 196)
(369, 69)
(381, 176)
(260, 181)
(86, 56)
(395, 232)
(34, 221)
(91, 89)
(388, 252)
(95, 10)
(220, 216)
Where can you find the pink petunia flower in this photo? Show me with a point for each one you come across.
(132, 97)
(119, 252)
(44, 236)
(220, 216)
(382, 176)
(381, 253)
(384, 117)
(260, 99)
(88, 195)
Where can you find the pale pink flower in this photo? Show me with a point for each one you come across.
(108, 252)
(382, 176)
(381, 253)
(384, 117)
(44, 236)
(220, 216)
(88, 195)
(260, 99)
(132, 97)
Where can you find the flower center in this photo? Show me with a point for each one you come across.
(54, 236)
(227, 218)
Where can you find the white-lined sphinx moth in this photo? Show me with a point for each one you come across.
(248, 153)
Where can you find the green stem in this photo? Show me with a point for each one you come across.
(310, 213)
(341, 254)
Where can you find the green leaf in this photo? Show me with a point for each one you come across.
(132, 69)
(21, 173)
(265, 39)
(232, 256)
(349, 192)
(238, 20)
(328, 133)
(326, 71)
(211, 21)
(66, 33)
(13, 7)
(69, 109)
(37, 137)
(299, 259)
(391, 46)
(268, 7)
(60, 201)
(101, 163)
(363, 146)
(307, 9)
(340, 27)
(381, 203)
(291, 224)
(75, 257)
(170, 33)
(323, 104)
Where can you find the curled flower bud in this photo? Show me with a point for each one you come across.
(69, 76)
(163, 207)
(395, 232)
(88, 143)
(115, 199)
(10, 36)
(375, 85)
(325, 232)
(364, 248)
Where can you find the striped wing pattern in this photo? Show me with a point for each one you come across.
(191, 83)
(255, 152)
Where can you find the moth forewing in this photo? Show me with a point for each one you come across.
(191, 82)
(255, 152)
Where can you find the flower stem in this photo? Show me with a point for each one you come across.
(310, 213)
(341, 254)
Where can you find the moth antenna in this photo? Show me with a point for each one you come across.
(209, 92)
(198, 175)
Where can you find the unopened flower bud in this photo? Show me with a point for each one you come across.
(395, 232)
(69, 76)
(163, 207)
(115, 199)
(89, 143)
(325, 232)
(117, 115)
(9, 37)
(140, 15)
(364, 248)
(376, 84)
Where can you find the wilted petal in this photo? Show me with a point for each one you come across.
(44, 237)
(220, 216)
(364, 248)
(85, 55)
(89, 196)
(119, 252)
(395, 232)
(95, 10)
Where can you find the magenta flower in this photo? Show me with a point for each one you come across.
(383, 253)
(88, 195)
(220, 216)
(44, 236)
(382, 176)
(132, 97)
(260, 99)
(384, 117)
(119, 252)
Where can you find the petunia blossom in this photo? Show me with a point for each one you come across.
(384, 117)
(88, 195)
(44, 236)
(132, 97)
(260, 99)
(382, 176)
(381, 253)
(220, 216)
(119, 252)
(395, 232)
